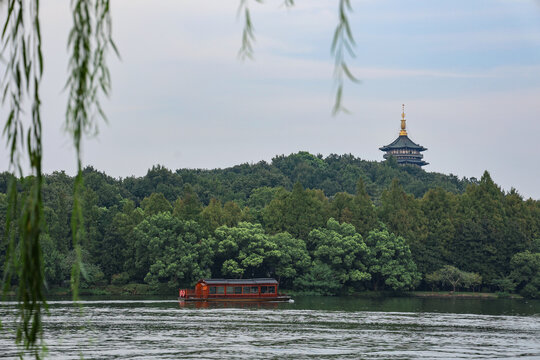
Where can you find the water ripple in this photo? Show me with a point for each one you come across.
(163, 330)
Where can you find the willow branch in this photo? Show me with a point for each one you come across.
(248, 33)
(89, 42)
(21, 47)
(342, 48)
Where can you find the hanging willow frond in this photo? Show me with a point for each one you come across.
(21, 47)
(342, 44)
(89, 41)
(248, 33)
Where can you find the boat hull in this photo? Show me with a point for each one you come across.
(243, 299)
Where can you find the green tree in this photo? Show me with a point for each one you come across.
(505, 284)
(292, 259)
(403, 216)
(117, 251)
(262, 196)
(188, 207)
(92, 230)
(3, 244)
(302, 167)
(155, 204)
(451, 276)
(91, 273)
(172, 251)
(320, 279)
(244, 251)
(212, 215)
(121, 240)
(480, 245)
(274, 214)
(390, 262)
(439, 208)
(297, 212)
(158, 179)
(231, 214)
(433, 279)
(341, 248)
(52, 259)
(364, 217)
(471, 280)
(340, 207)
(58, 197)
(519, 223)
(526, 273)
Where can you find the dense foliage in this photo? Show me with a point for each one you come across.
(319, 225)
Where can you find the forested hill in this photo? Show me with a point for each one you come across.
(322, 225)
(333, 174)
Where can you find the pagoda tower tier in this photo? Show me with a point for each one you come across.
(403, 149)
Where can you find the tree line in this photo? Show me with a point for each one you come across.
(319, 225)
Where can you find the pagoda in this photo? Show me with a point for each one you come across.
(403, 149)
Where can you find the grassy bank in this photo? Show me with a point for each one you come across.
(463, 295)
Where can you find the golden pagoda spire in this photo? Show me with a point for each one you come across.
(403, 131)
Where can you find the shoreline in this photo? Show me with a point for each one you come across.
(144, 290)
(462, 295)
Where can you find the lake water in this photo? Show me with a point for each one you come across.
(312, 327)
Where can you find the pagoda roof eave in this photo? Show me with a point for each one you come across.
(401, 142)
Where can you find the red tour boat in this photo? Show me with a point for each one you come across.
(234, 290)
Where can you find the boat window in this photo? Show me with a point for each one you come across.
(213, 290)
(220, 290)
(271, 289)
(264, 289)
(234, 290)
(254, 289)
(247, 289)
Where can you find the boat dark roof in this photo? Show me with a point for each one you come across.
(239, 281)
(401, 142)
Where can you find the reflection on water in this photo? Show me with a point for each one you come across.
(228, 304)
(336, 328)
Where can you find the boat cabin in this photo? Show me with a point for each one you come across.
(233, 289)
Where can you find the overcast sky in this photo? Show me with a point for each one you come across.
(468, 72)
